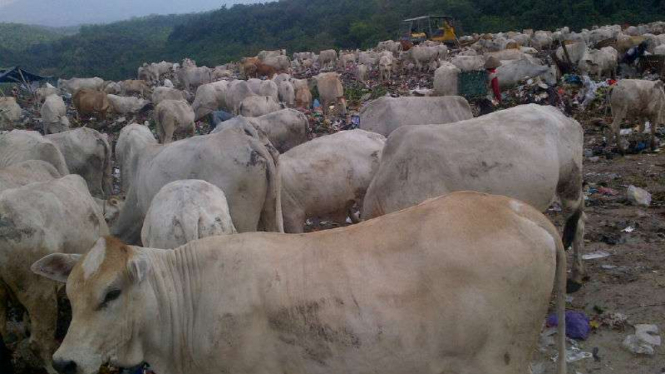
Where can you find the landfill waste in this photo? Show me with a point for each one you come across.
(628, 229)
(607, 191)
(573, 354)
(577, 324)
(643, 341)
(638, 196)
(595, 255)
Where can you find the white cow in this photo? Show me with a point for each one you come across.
(331, 92)
(166, 93)
(511, 73)
(75, 84)
(327, 176)
(10, 112)
(174, 117)
(87, 153)
(133, 140)
(328, 58)
(392, 295)
(235, 160)
(637, 99)
(287, 93)
(54, 115)
(257, 106)
(127, 104)
(530, 152)
(446, 79)
(284, 128)
(56, 216)
(183, 211)
(209, 98)
(386, 114)
(600, 63)
(20, 145)
(264, 88)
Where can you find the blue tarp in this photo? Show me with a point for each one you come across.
(13, 75)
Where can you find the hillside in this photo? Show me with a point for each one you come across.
(17, 37)
(114, 51)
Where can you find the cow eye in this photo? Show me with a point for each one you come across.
(110, 296)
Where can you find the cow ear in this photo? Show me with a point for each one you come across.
(138, 267)
(56, 266)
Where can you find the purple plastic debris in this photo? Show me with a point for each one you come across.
(577, 324)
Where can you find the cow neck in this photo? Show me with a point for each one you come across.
(175, 285)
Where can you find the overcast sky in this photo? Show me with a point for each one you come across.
(76, 12)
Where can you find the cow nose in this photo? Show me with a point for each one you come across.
(64, 366)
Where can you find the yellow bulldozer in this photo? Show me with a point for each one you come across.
(436, 28)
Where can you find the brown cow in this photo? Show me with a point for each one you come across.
(90, 102)
(134, 86)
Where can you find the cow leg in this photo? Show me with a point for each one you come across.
(40, 301)
(571, 196)
(652, 137)
(616, 128)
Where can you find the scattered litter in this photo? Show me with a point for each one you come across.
(629, 229)
(643, 342)
(595, 255)
(573, 354)
(577, 324)
(608, 267)
(638, 196)
(616, 321)
(607, 191)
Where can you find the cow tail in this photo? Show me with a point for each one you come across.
(560, 285)
(271, 216)
(570, 229)
(107, 178)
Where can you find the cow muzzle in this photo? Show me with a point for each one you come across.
(65, 366)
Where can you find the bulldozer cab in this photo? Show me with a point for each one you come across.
(436, 28)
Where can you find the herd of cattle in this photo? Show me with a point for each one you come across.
(427, 279)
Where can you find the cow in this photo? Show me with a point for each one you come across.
(511, 73)
(365, 298)
(160, 94)
(256, 106)
(10, 113)
(89, 102)
(192, 76)
(54, 115)
(134, 86)
(75, 84)
(469, 63)
(46, 91)
(530, 152)
(331, 92)
(326, 177)
(328, 59)
(287, 93)
(303, 94)
(423, 56)
(235, 93)
(128, 104)
(385, 68)
(87, 153)
(384, 115)
(110, 208)
(600, 63)
(362, 73)
(284, 128)
(235, 160)
(19, 145)
(41, 218)
(183, 211)
(637, 99)
(174, 117)
(132, 141)
(209, 98)
(446, 79)
(576, 51)
(27, 172)
(264, 88)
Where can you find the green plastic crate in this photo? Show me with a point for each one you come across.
(472, 84)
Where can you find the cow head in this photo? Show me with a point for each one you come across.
(107, 290)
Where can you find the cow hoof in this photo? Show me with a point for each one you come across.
(572, 286)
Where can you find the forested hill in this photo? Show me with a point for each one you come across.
(114, 51)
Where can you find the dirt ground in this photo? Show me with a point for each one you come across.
(631, 280)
